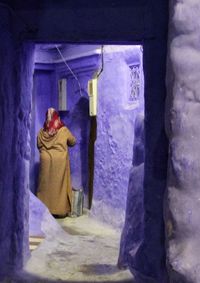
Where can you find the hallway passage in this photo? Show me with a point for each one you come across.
(80, 250)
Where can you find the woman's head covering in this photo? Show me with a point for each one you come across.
(52, 123)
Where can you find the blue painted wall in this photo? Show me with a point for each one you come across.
(96, 22)
(115, 133)
(76, 118)
(16, 60)
(43, 97)
(115, 125)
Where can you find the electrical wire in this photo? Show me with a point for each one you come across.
(65, 62)
(102, 61)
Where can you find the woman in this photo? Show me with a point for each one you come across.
(54, 178)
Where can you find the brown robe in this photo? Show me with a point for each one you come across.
(54, 188)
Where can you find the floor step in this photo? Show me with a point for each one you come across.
(34, 242)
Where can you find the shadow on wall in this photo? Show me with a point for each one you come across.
(82, 107)
(78, 122)
(160, 167)
(36, 175)
(91, 160)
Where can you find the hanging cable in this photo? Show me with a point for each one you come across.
(65, 62)
(102, 62)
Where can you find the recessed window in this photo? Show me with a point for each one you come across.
(135, 84)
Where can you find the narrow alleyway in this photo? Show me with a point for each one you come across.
(83, 250)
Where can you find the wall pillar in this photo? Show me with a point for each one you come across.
(183, 192)
(15, 105)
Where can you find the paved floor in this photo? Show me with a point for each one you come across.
(83, 250)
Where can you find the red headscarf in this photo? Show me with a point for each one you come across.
(52, 123)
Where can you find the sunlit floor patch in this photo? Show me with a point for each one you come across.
(83, 250)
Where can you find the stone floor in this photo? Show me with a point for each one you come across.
(78, 250)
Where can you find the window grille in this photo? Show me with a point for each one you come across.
(135, 80)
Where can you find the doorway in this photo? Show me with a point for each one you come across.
(101, 161)
(120, 99)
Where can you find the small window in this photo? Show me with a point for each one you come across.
(135, 83)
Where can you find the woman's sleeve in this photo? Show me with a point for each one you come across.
(39, 144)
(71, 140)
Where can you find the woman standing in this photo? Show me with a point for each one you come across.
(55, 189)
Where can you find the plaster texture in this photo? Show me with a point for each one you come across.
(16, 62)
(115, 134)
(41, 222)
(96, 22)
(133, 230)
(183, 194)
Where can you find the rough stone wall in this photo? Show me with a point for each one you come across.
(133, 229)
(21, 149)
(149, 261)
(15, 106)
(115, 135)
(7, 107)
(182, 202)
(110, 22)
(150, 258)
